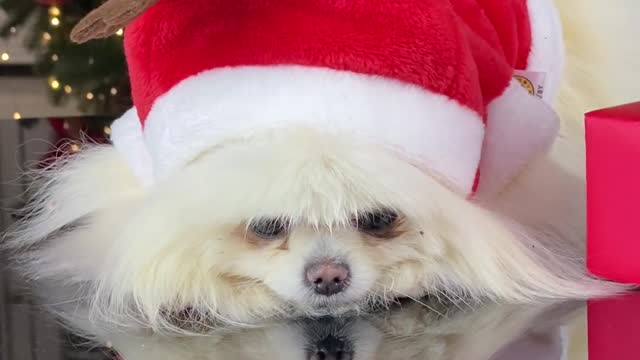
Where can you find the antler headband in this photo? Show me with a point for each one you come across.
(108, 19)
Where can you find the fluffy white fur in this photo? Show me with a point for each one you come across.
(149, 253)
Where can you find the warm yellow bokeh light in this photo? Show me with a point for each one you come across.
(54, 11)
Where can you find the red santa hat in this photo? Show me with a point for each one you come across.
(431, 80)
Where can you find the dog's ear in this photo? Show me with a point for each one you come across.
(108, 19)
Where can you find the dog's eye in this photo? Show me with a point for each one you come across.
(378, 223)
(269, 229)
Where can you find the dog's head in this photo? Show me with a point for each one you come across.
(281, 224)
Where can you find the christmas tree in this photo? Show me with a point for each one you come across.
(95, 73)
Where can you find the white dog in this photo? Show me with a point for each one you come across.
(222, 242)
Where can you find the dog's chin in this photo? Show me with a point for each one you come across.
(336, 309)
(335, 305)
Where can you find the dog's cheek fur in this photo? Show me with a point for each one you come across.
(485, 257)
(180, 278)
(121, 266)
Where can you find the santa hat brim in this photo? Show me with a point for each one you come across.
(427, 129)
(237, 103)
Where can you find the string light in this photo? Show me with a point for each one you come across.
(54, 83)
(54, 11)
(46, 36)
(13, 30)
(17, 116)
(91, 61)
(55, 57)
(55, 21)
(5, 56)
(90, 96)
(114, 91)
(107, 131)
(75, 148)
(120, 32)
(68, 89)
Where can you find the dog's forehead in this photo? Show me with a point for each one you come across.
(322, 185)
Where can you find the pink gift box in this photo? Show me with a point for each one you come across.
(613, 193)
(613, 326)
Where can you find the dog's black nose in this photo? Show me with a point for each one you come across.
(331, 348)
(328, 277)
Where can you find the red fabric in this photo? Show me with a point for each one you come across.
(613, 193)
(75, 130)
(57, 124)
(515, 36)
(464, 49)
(51, 2)
(613, 327)
(499, 35)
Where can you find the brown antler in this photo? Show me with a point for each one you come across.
(108, 19)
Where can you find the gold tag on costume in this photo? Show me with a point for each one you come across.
(532, 81)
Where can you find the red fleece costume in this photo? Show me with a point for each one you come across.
(430, 79)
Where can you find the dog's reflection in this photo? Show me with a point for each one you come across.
(411, 332)
(329, 339)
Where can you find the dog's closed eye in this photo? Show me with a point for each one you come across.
(379, 223)
(269, 228)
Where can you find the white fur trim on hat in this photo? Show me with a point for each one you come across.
(519, 128)
(127, 137)
(547, 46)
(234, 103)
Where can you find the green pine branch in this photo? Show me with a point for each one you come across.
(94, 73)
